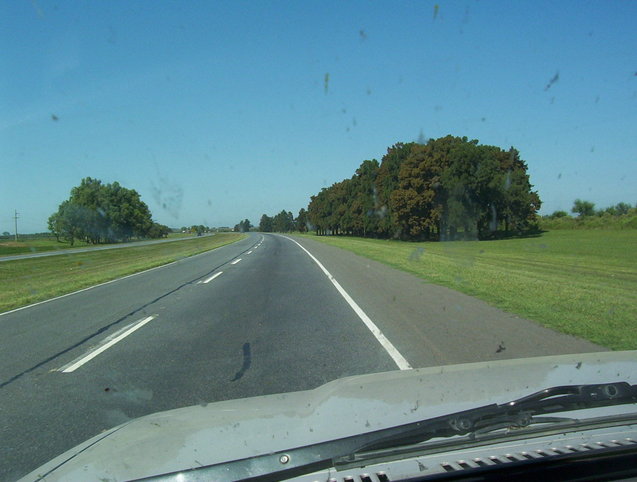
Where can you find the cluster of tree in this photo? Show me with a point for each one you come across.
(243, 226)
(284, 222)
(448, 188)
(104, 213)
(586, 208)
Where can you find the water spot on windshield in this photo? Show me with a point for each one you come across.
(553, 80)
(416, 254)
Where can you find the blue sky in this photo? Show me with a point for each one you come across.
(218, 111)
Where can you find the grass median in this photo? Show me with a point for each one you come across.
(583, 282)
(27, 281)
(39, 244)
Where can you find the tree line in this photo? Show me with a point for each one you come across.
(104, 213)
(587, 208)
(284, 222)
(447, 188)
(619, 216)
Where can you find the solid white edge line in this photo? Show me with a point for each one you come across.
(96, 351)
(393, 352)
(213, 277)
(235, 261)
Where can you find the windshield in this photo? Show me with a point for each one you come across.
(208, 201)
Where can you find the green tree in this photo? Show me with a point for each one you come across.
(158, 231)
(265, 224)
(301, 221)
(68, 222)
(622, 209)
(98, 212)
(283, 222)
(243, 226)
(364, 218)
(418, 200)
(386, 183)
(583, 208)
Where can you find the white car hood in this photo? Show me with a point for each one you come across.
(223, 431)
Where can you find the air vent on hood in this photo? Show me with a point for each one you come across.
(362, 477)
(499, 459)
(501, 456)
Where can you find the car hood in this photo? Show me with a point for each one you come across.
(223, 431)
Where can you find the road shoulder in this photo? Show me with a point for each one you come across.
(433, 325)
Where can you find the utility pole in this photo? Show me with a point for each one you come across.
(15, 218)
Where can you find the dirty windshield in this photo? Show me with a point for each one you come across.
(209, 201)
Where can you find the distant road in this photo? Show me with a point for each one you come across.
(254, 317)
(94, 248)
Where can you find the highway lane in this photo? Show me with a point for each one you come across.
(271, 322)
(255, 317)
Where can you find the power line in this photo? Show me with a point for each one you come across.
(15, 218)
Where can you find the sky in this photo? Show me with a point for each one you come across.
(219, 111)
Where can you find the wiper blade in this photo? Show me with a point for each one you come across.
(517, 413)
(514, 414)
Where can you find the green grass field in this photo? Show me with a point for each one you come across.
(29, 280)
(579, 282)
(9, 247)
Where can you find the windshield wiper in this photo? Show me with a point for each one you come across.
(514, 414)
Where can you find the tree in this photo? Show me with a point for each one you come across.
(265, 225)
(283, 222)
(243, 226)
(199, 229)
(158, 231)
(583, 208)
(68, 222)
(98, 213)
(302, 221)
(53, 224)
(386, 183)
(364, 217)
(622, 208)
(417, 201)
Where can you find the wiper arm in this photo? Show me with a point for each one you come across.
(514, 414)
(517, 413)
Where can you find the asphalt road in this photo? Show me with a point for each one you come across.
(255, 317)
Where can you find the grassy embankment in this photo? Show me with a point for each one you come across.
(575, 281)
(29, 280)
(31, 244)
